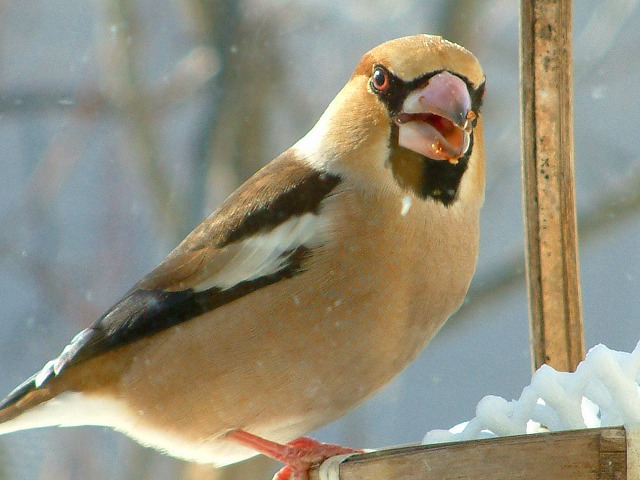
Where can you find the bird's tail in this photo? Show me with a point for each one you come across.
(15, 407)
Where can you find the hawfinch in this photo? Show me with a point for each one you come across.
(307, 290)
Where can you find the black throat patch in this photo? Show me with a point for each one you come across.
(425, 177)
(441, 179)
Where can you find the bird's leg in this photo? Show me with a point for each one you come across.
(299, 455)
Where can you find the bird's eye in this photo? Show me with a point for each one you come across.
(380, 80)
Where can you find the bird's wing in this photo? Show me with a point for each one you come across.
(260, 235)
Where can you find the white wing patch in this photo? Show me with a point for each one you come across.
(55, 366)
(265, 253)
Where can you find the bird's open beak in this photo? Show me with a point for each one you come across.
(436, 120)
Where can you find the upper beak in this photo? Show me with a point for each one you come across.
(436, 120)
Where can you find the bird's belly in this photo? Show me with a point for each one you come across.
(281, 365)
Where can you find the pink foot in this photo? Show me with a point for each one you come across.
(299, 455)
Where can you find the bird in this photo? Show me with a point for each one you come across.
(306, 291)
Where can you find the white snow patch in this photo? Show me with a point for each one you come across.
(406, 205)
(603, 391)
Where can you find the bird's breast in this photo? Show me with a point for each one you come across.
(402, 265)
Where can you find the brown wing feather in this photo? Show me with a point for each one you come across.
(282, 189)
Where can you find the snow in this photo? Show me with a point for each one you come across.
(602, 392)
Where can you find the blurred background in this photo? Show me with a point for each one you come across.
(123, 123)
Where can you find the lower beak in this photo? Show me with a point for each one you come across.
(436, 120)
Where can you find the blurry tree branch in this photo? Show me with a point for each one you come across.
(214, 26)
(187, 79)
(28, 102)
(232, 136)
(123, 77)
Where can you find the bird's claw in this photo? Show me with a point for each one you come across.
(305, 452)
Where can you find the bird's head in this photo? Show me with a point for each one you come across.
(411, 109)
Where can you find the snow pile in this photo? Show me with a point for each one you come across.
(603, 391)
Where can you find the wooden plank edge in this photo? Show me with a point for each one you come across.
(585, 454)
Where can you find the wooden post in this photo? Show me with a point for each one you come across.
(548, 179)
